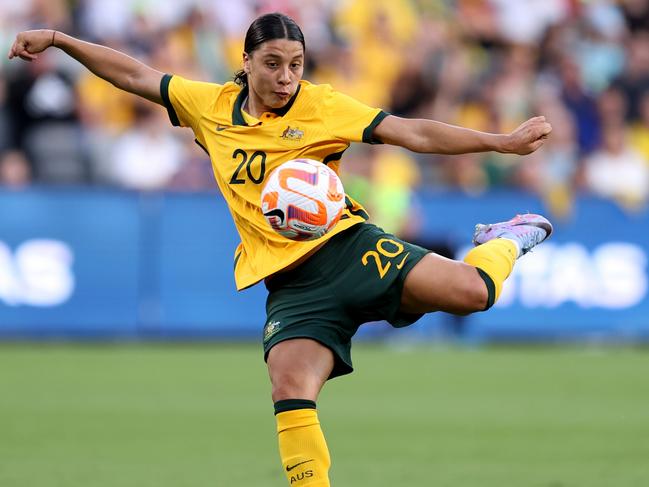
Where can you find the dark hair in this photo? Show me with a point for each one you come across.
(266, 28)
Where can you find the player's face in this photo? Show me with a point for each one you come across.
(274, 70)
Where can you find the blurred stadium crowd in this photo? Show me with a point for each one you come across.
(485, 64)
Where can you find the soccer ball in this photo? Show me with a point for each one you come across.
(302, 199)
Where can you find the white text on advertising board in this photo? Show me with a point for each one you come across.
(38, 273)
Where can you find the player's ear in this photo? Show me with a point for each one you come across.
(246, 63)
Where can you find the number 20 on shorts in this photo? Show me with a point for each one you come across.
(386, 253)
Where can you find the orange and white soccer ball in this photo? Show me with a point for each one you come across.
(302, 199)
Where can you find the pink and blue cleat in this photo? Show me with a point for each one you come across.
(527, 231)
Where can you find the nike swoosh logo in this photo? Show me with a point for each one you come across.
(220, 128)
(288, 469)
(403, 261)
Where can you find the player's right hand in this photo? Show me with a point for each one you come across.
(31, 42)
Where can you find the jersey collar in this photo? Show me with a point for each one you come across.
(237, 116)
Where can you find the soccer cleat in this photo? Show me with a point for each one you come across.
(526, 230)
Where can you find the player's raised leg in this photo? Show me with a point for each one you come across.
(298, 369)
(440, 284)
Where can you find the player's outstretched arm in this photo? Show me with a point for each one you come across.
(123, 71)
(429, 136)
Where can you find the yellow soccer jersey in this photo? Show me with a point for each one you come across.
(317, 123)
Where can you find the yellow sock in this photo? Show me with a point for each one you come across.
(302, 446)
(494, 261)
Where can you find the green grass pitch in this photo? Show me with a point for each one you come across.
(181, 416)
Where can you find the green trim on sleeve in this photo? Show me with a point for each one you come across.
(368, 133)
(164, 93)
(336, 156)
(359, 212)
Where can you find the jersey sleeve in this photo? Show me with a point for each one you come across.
(348, 119)
(186, 100)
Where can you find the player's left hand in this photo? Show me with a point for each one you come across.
(528, 137)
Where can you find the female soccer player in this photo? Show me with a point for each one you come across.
(320, 292)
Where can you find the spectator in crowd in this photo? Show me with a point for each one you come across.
(581, 103)
(146, 157)
(14, 170)
(634, 81)
(555, 169)
(394, 177)
(616, 170)
(42, 109)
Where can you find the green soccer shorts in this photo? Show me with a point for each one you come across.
(356, 277)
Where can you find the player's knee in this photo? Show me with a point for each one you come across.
(476, 296)
(288, 385)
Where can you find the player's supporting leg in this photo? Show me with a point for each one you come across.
(298, 369)
(440, 284)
